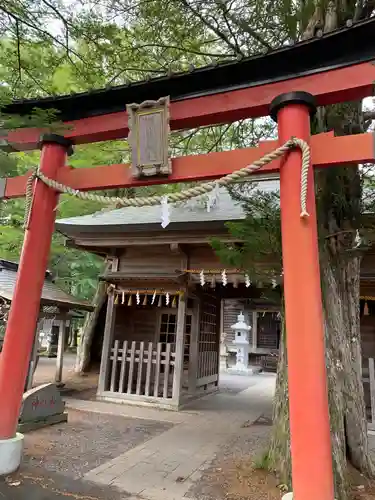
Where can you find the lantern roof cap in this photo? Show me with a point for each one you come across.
(241, 325)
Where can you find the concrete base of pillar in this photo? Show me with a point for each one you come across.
(10, 454)
(287, 496)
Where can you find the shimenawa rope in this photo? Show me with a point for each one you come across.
(187, 194)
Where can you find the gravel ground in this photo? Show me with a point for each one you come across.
(86, 441)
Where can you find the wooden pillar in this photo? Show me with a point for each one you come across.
(254, 332)
(219, 323)
(371, 369)
(180, 348)
(108, 333)
(60, 353)
(221, 316)
(107, 342)
(193, 351)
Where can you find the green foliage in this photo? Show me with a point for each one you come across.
(262, 461)
(259, 254)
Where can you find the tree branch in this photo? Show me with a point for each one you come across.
(182, 49)
(19, 79)
(65, 22)
(243, 25)
(213, 28)
(31, 25)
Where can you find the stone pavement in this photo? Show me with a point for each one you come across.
(167, 466)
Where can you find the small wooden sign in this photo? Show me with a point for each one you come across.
(149, 137)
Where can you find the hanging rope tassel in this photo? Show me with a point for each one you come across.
(145, 301)
(202, 278)
(366, 311)
(247, 281)
(174, 301)
(160, 301)
(130, 301)
(224, 278)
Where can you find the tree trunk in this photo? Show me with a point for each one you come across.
(74, 337)
(279, 459)
(340, 287)
(88, 330)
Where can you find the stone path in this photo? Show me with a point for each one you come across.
(167, 466)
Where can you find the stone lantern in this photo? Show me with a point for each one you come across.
(241, 340)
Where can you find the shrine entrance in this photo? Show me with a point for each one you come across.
(288, 85)
(164, 350)
(163, 356)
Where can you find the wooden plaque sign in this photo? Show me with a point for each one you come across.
(148, 137)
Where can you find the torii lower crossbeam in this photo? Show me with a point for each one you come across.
(326, 151)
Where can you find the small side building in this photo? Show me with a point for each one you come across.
(58, 310)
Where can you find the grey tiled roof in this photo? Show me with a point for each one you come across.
(136, 218)
(51, 293)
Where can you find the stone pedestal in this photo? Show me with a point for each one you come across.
(242, 358)
(41, 406)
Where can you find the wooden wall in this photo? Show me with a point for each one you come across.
(153, 258)
(268, 326)
(161, 259)
(135, 324)
(368, 351)
(368, 336)
(203, 257)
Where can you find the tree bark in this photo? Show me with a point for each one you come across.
(279, 458)
(74, 338)
(88, 330)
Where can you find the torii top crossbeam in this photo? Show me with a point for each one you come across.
(221, 93)
(334, 68)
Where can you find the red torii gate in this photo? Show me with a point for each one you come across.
(290, 102)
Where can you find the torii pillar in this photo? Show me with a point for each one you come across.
(312, 472)
(23, 315)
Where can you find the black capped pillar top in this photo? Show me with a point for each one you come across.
(57, 139)
(297, 97)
